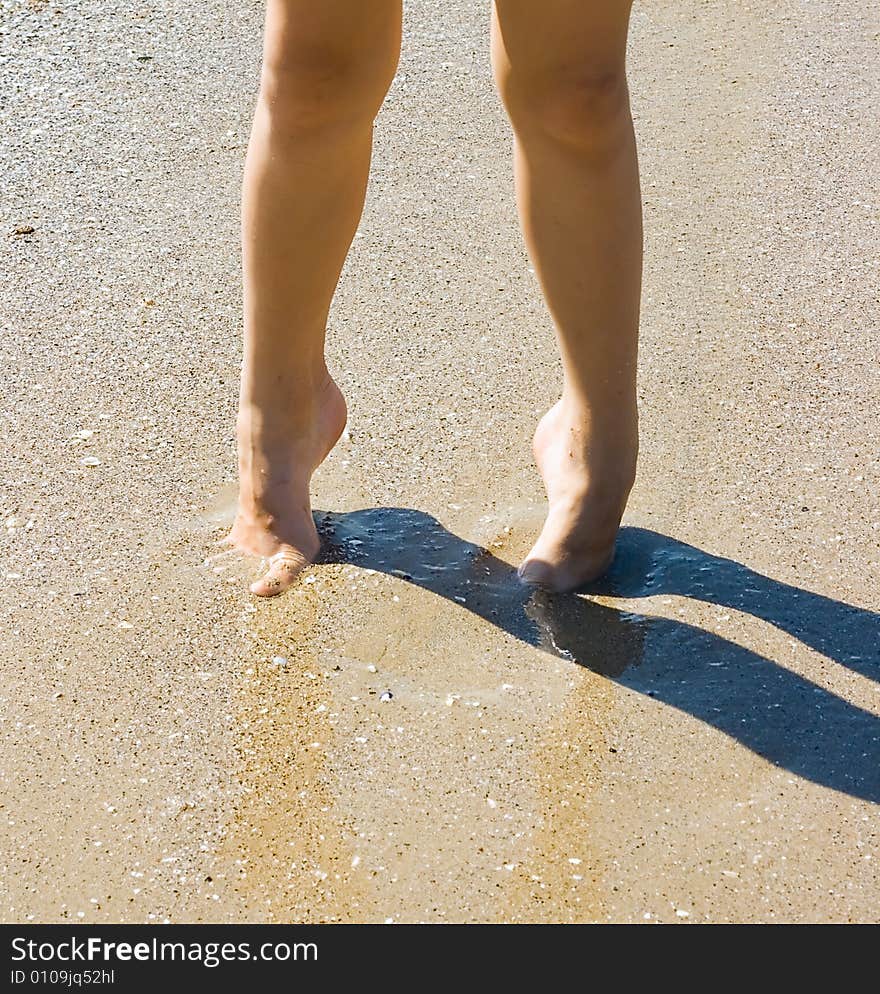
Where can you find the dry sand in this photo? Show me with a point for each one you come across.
(698, 741)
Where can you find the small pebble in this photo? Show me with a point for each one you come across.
(279, 661)
(386, 696)
(90, 461)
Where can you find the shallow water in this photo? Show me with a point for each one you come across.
(407, 641)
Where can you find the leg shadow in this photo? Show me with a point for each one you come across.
(781, 716)
(648, 563)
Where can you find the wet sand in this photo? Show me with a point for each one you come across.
(695, 740)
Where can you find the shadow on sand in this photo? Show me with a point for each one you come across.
(781, 716)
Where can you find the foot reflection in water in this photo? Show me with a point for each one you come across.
(780, 715)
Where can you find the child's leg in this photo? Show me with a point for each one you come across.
(326, 69)
(560, 67)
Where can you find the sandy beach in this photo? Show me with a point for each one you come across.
(409, 735)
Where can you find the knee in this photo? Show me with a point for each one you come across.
(586, 110)
(313, 89)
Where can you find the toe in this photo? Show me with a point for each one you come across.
(284, 567)
(537, 573)
(566, 576)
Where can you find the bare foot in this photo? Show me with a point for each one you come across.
(588, 474)
(277, 453)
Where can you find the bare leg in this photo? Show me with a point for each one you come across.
(326, 69)
(560, 68)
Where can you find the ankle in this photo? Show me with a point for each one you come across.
(266, 381)
(613, 407)
(272, 427)
(273, 395)
(603, 444)
(613, 426)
